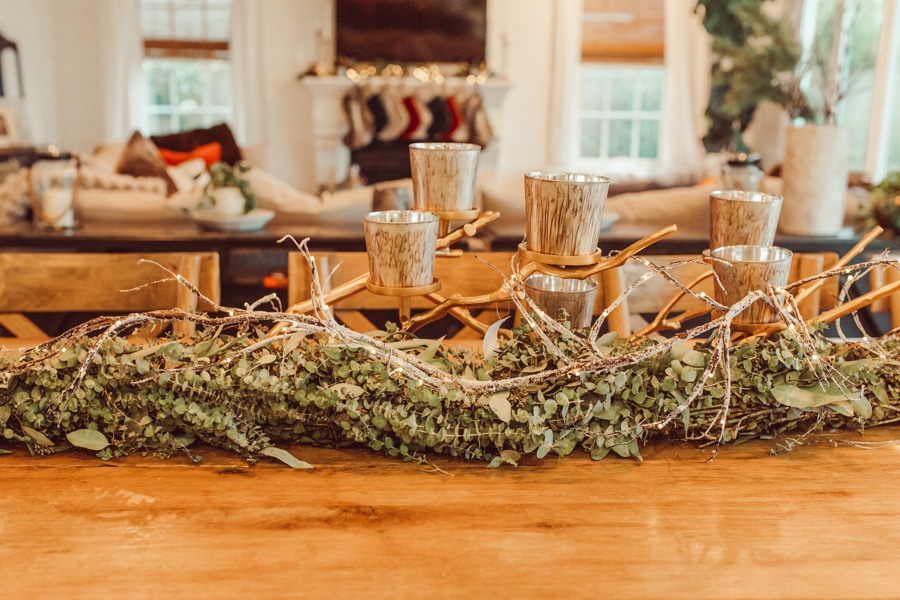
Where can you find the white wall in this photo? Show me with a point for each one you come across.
(29, 24)
(63, 93)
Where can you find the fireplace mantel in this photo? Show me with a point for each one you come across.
(332, 156)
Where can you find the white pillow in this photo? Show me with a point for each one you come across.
(189, 174)
(278, 195)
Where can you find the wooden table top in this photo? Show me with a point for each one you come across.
(820, 521)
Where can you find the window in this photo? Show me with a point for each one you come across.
(869, 77)
(621, 109)
(186, 68)
(622, 80)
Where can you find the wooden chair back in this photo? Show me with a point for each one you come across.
(655, 293)
(472, 274)
(50, 282)
(481, 272)
(879, 277)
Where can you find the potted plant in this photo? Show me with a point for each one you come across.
(229, 190)
(881, 206)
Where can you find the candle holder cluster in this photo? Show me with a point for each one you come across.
(557, 263)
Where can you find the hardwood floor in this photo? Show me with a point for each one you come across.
(821, 521)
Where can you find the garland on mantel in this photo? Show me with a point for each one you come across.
(255, 381)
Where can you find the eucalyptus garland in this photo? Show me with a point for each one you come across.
(238, 385)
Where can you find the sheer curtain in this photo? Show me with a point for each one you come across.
(565, 84)
(687, 64)
(122, 54)
(248, 72)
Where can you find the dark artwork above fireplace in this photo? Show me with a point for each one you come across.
(411, 31)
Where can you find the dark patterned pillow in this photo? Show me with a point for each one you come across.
(141, 158)
(189, 140)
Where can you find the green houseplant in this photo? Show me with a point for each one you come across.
(755, 58)
(881, 206)
(228, 182)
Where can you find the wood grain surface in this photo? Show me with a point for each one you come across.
(818, 522)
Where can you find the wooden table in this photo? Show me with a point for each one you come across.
(821, 521)
(501, 236)
(167, 237)
(689, 239)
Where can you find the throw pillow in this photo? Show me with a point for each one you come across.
(210, 153)
(141, 158)
(189, 140)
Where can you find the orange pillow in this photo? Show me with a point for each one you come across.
(211, 153)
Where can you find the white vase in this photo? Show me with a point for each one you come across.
(228, 202)
(815, 170)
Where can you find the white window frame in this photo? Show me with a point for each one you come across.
(632, 163)
(211, 114)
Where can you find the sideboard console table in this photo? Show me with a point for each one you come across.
(247, 257)
(188, 236)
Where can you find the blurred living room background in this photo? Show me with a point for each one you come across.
(609, 86)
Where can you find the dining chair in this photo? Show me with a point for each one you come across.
(468, 275)
(657, 294)
(480, 272)
(881, 276)
(99, 283)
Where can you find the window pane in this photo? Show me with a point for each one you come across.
(156, 75)
(620, 118)
(620, 138)
(592, 85)
(193, 93)
(209, 20)
(159, 124)
(219, 88)
(858, 77)
(652, 88)
(622, 84)
(893, 124)
(648, 144)
(591, 131)
(854, 113)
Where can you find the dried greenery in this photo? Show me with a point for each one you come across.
(235, 386)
